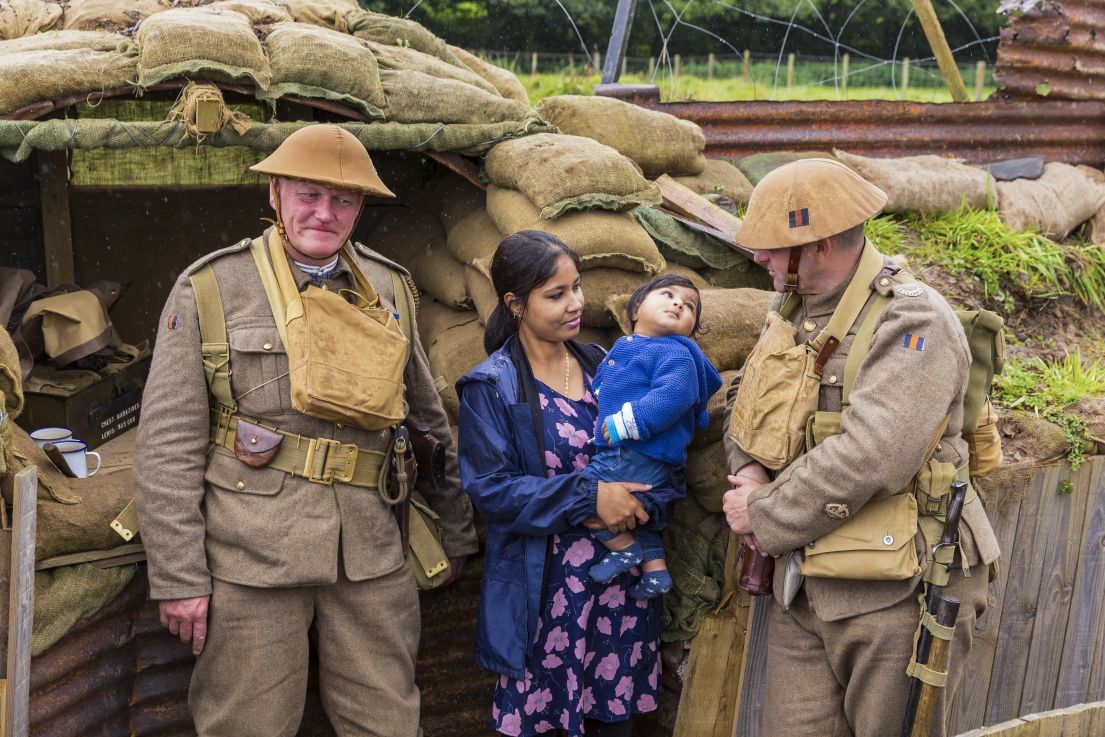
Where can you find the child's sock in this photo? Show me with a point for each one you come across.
(652, 584)
(616, 562)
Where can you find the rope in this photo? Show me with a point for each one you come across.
(187, 106)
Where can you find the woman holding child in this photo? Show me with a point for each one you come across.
(568, 616)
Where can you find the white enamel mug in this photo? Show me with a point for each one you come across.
(76, 454)
(54, 435)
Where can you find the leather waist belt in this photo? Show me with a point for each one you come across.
(320, 460)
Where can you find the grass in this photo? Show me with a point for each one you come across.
(1005, 262)
(695, 88)
(1048, 388)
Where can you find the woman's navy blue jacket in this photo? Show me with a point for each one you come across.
(502, 469)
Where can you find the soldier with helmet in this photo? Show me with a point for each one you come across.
(839, 467)
(266, 425)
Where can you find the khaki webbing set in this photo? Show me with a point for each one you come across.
(320, 460)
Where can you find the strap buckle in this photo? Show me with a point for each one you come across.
(223, 417)
(329, 461)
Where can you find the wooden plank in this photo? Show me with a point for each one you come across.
(21, 604)
(754, 672)
(57, 228)
(688, 202)
(1059, 553)
(1082, 649)
(1018, 615)
(968, 710)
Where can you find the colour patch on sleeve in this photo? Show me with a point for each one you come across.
(913, 342)
(172, 321)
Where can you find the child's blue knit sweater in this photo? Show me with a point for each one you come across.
(652, 393)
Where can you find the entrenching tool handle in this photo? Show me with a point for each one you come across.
(946, 611)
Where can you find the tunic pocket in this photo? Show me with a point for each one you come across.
(259, 371)
(229, 474)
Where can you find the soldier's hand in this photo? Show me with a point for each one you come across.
(753, 471)
(618, 508)
(735, 504)
(456, 567)
(187, 619)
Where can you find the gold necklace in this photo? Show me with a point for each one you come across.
(567, 371)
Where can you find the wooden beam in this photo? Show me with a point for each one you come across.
(688, 202)
(57, 228)
(934, 32)
(21, 604)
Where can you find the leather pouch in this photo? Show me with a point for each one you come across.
(255, 445)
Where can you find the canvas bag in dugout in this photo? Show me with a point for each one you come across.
(327, 336)
(779, 390)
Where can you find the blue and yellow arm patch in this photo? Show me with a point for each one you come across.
(913, 342)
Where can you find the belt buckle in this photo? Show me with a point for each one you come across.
(314, 466)
(352, 452)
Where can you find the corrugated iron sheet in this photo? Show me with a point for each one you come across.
(120, 674)
(1067, 131)
(1057, 51)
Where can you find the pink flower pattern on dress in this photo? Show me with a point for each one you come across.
(565, 408)
(592, 658)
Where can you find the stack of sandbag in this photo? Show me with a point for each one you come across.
(453, 340)
(924, 183)
(330, 14)
(720, 177)
(109, 15)
(1055, 204)
(758, 166)
(208, 43)
(658, 142)
(27, 17)
(416, 240)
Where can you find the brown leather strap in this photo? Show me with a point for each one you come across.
(823, 356)
(791, 284)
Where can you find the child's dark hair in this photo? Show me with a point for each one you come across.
(523, 261)
(659, 282)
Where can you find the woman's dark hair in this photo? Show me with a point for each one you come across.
(659, 282)
(523, 262)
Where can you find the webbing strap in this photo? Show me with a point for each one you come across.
(272, 289)
(924, 674)
(213, 342)
(938, 630)
(855, 297)
(861, 345)
(406, 305)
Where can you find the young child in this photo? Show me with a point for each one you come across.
(652, 390)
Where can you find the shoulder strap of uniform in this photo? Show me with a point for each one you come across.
(213, 342)
(406, 302)
(204, 260)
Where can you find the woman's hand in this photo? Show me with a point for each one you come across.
(618, 508)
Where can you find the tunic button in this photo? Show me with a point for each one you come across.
(832, 379)
(888, 540)
(240, 485)
(611, 362)
(884, 282)
(267, 346)
(809, 326)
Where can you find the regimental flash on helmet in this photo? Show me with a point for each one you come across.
(800, 218)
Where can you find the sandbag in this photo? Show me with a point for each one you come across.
(435, 318)
(11, 385)
(924, 183)
(731, 323)
(658, 142)
(559, 173)
(108, 15)
(601, 238)
(329, 14)
(501, 79)
(259, 12)
(69, 593)
(1054, 205)
(474, 237)
(51, 75)
(758, 166)
(455, 352)
(746, 275)
(455, 198)
(720, 177)
(481, 289)
(67, 40)
(200, 42)
(686, 246)
(20, 18)
(717, 410)
(695, 545)
(416, 240)
(416, 97)
(314, 62)
(390, 56)
(1095, 229)
(707, 468)
(387, 29)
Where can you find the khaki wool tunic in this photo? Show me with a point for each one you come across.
(898, 401)
(206, 515)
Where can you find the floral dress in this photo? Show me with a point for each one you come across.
(591, 659)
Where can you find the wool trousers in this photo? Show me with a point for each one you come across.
(847, 678)
(251, 678)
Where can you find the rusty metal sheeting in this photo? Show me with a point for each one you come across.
(1073, 132)
(1057, 52)
(120, 674)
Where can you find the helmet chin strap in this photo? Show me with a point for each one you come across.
(283, 232)
(791, 283)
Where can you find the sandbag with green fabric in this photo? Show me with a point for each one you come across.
(559, 173)
(720, 177)
(501, 79)
(758, 166)
(416, 97)
(33, 76)
(69, 40)
(69, 593)
(390, 56)
(387, 29)
(686, 246)
(200, 42)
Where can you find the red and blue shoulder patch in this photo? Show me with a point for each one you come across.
(799, 218)
(172, 321)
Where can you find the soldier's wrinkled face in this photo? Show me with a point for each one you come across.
(317, 219)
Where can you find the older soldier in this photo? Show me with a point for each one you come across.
(262, 520)
(830, 457)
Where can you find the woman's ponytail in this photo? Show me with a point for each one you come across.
(500, 326)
